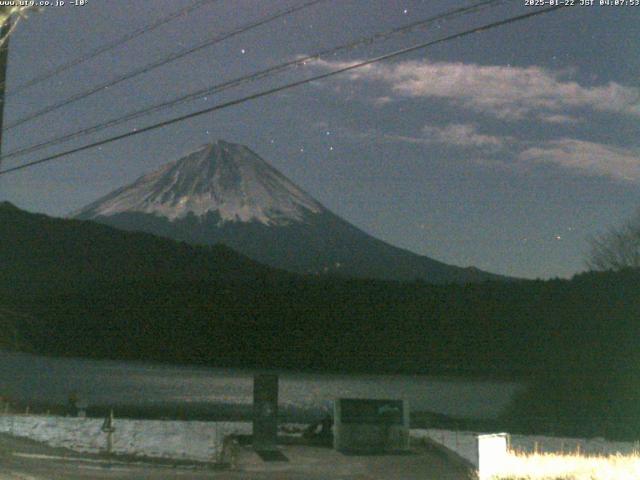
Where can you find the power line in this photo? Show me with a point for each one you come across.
(109, 46)
(252, 77)
(170, 58)
(287, 86)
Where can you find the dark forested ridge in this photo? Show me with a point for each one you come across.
(103, 292)
(90, 290)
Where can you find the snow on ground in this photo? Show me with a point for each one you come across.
(188, 440)
(587, 446)
(203, 441)
(464, 444)
(543, 466)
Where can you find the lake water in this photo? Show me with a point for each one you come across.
(29, 378)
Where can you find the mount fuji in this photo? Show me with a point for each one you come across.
(225, 193)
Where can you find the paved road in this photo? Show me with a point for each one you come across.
(26, 460)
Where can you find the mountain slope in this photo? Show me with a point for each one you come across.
(223, 178)
(225, 193)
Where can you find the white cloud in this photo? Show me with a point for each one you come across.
(462, 135)
(380, 101)
(588, 158)
(579, 157)
(502, 91)
(558, 118)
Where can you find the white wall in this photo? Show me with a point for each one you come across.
(200, 441)
(492, 451)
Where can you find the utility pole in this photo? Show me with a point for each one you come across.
(4, 58)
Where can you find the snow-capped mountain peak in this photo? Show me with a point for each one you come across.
(223, 178)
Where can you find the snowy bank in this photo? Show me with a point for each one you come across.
(465, 444)
(184, 440)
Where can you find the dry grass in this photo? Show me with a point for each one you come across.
(550, 466)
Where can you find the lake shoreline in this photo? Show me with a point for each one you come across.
(157, 391)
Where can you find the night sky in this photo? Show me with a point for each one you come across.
(505, 150)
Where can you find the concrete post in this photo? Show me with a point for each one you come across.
(492, 452)
(265, 412)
